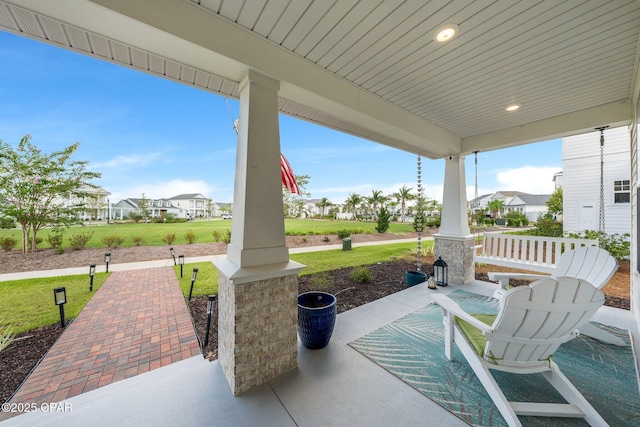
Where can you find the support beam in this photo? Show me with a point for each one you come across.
(454, 242)
(257, 285)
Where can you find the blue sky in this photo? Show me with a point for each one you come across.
(154, 136)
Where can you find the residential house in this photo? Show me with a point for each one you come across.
(581, 163)
(156, 208)
(195, 204)
(530, 205)
(95, 202)
(218, 209)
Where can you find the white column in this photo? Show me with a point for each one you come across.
(454, 222)
(454, 241)
(257, 231)
(257, 285)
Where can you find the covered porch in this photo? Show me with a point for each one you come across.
(333, 386)
(375, 71)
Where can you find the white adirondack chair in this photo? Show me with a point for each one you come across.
(590, 263)
(532, 323)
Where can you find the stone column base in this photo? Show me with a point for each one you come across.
(257, 323)
(457, 252)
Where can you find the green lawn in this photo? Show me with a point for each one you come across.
(27, 304)
(153, 233)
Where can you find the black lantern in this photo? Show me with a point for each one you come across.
(173, 255)
(107, 259)
(211, 302)
(440, 272)
(181, 262)
(92, 272)
(60, 298)
(193, 280)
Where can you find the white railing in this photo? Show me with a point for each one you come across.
(535, 253)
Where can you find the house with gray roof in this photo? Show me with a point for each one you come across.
(530, 205)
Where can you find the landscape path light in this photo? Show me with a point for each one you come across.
(193, 280)
(181, 262)
(107, 259)
(211, 302)
(173, 255)
(60, 298)
(92, 272)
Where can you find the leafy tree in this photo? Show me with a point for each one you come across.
(143, 208)
(403, 195)
(554, 204)
(293, 203)
(35, 187)
(323, 204)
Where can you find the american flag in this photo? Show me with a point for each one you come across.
(288, 179)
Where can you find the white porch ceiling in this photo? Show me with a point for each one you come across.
(371, 67)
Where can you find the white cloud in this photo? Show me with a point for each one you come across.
(528, 179)
(123, 161)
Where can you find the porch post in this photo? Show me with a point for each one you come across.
(454, 241)
(257, 284)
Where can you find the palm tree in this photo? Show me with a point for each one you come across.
(496, 206)
(403, 195)
(352, 203)
(377, 198)
(323, 204)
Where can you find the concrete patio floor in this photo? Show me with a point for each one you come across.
(334, 386)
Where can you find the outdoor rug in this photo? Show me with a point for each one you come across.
(412, 349)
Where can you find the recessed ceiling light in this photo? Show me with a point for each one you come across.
(445, 33)
(513, 107)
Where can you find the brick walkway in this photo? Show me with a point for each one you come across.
(136, 322)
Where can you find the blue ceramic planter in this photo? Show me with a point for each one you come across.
(316, 318)
(415, 277)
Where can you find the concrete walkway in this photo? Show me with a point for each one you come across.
(136, 322)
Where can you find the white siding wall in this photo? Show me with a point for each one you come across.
(581, 180)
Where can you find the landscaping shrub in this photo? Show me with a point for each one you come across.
(320, 282)
(169, 238)
(382, 223)
(6, 336)
(8, 242)
(516, 219)
(216, 235)
(55, 238)
(113, 241)
(138, 240)
(79, 241)
(432, 221)
(325, 238)
(547, 226)
(7, 222)
(190, 236)
(226, 237)
(362, 275)
(343, 234)
(618, 245)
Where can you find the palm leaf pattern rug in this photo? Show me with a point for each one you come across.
(412, 349)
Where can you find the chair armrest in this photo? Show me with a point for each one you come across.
(503, 278)
(450, 307)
